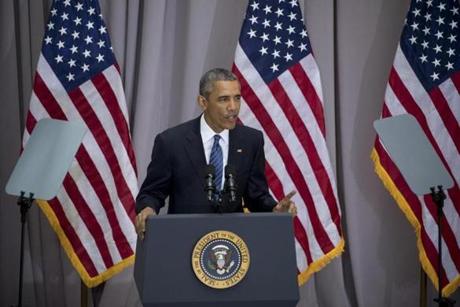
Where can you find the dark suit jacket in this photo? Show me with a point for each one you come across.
(178, 164)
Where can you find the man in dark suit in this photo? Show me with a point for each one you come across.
(180, 156)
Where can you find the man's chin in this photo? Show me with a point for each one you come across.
(231, 126)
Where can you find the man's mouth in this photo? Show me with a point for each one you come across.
(231, 116)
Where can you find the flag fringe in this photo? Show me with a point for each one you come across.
(89, 281)
(317, 265)
(406, 209)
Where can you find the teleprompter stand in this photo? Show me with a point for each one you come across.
(402, 136)
(24, 204)
(41, 169)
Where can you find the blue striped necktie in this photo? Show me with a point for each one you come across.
(216, 159)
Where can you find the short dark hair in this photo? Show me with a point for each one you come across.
(215, 74)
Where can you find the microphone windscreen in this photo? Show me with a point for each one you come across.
(229, 169)
(209, 169)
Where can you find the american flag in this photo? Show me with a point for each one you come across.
(425, 82)
(282, 97)
(77, 78)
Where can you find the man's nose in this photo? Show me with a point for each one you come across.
(232, 105)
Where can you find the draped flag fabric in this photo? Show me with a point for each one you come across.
(282, 97)
(425, 82)
(77, 78)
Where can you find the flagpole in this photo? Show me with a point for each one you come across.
(83, 294)
(19, 69)
(423, 280)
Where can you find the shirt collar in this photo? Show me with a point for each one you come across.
(207, 133)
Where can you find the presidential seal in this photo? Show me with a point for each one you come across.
(220, 259)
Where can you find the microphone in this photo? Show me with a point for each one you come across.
(209, 181)
(230, 182)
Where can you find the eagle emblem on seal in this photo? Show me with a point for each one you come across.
(220, 259)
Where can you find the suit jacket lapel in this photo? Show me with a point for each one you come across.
(194, 148)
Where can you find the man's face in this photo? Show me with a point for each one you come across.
(222, 106)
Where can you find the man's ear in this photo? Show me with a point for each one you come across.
(202, 102)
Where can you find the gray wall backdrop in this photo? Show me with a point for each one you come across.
(163, 47)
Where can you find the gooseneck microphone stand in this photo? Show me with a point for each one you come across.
(214, 196)
(230, 183)
(221, 200)
(438, 198)
(24, 204)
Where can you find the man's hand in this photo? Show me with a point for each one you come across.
(286, 205)
(140, 221)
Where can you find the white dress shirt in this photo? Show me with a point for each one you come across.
(207, 137)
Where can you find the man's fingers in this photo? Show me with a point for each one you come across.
(293, 210)
(289, 196)
(286, 201)
(140, 221)
(140, 224)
